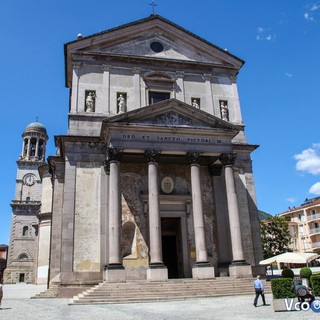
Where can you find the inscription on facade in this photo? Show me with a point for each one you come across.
(163, 138)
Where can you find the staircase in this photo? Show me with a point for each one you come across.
(178, 289)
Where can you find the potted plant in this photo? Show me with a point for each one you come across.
(284, 297)
(305, 274)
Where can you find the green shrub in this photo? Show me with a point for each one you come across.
(315, 284)
(305, 272)
(282, 288)
(287, 273)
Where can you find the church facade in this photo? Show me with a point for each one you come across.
(154, 178)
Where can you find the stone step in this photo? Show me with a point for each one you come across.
(177, 289)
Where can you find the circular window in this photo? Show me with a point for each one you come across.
(156, 46)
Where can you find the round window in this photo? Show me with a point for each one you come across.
(156, 46)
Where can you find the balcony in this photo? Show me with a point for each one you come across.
(313, 217)
(314, 231)
(315, 245)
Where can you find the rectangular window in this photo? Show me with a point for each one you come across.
(155, 96)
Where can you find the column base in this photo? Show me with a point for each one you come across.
(202, 270)
(157, 272)
(114, 273)
(240, 269)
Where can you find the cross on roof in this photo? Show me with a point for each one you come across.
(153, 4)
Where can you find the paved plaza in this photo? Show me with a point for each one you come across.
(17, 305)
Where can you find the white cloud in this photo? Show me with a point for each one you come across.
(311, 11)
(315, 189)
(291, 200)
(315, 7)
(309, 160)
(289, 75)
(264, 34)
(307, 16)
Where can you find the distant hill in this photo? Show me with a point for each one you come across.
(263, 215)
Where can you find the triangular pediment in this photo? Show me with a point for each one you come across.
(171, 113)
(135, 40)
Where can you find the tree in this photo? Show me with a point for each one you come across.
(275, 236)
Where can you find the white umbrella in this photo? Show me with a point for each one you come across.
(291, 257)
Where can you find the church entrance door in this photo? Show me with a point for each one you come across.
(172, 247)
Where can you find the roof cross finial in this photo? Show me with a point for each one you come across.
(153, 4)
(37, 119)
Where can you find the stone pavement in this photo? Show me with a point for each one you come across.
(17, 305)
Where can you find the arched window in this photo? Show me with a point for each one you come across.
(40, 149)
(33, 144)
(25, 231)
(23, 257)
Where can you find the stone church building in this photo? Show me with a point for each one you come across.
(154, 178)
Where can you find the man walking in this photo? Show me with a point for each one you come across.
(259, 289)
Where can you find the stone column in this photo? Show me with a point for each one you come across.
(105, 182)
(28, 149)
(37, 147)
(202, 268)
(222, 222)
(157, 270)
(239, 267)
(23, 148)
(114, 270)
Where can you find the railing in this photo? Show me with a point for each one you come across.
(313, 217)
(315, 245)
(315, 230)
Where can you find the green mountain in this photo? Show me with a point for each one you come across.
(263, 215)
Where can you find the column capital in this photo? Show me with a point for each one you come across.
(228, 159)
(193, 157)
(152, 155)
(207, 76)
(179, 74)
(76, 65)
(136, 70)
(113, 154)
(215, 169)
(233, 78)
(105, 67)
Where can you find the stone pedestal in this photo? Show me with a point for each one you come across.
(203, 272)
(157, 274)
(240, 270)
(114, 275)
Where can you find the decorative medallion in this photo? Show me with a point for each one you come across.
(167, 185)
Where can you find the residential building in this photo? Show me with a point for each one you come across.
(304, 225)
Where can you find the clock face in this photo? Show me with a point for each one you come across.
(29, 180)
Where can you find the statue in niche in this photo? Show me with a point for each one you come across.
(195, 104)
(224, 111)
(121, 104)
(90, 101)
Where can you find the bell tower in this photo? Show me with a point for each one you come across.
(22, 257)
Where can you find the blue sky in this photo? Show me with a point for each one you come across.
(278, 85)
